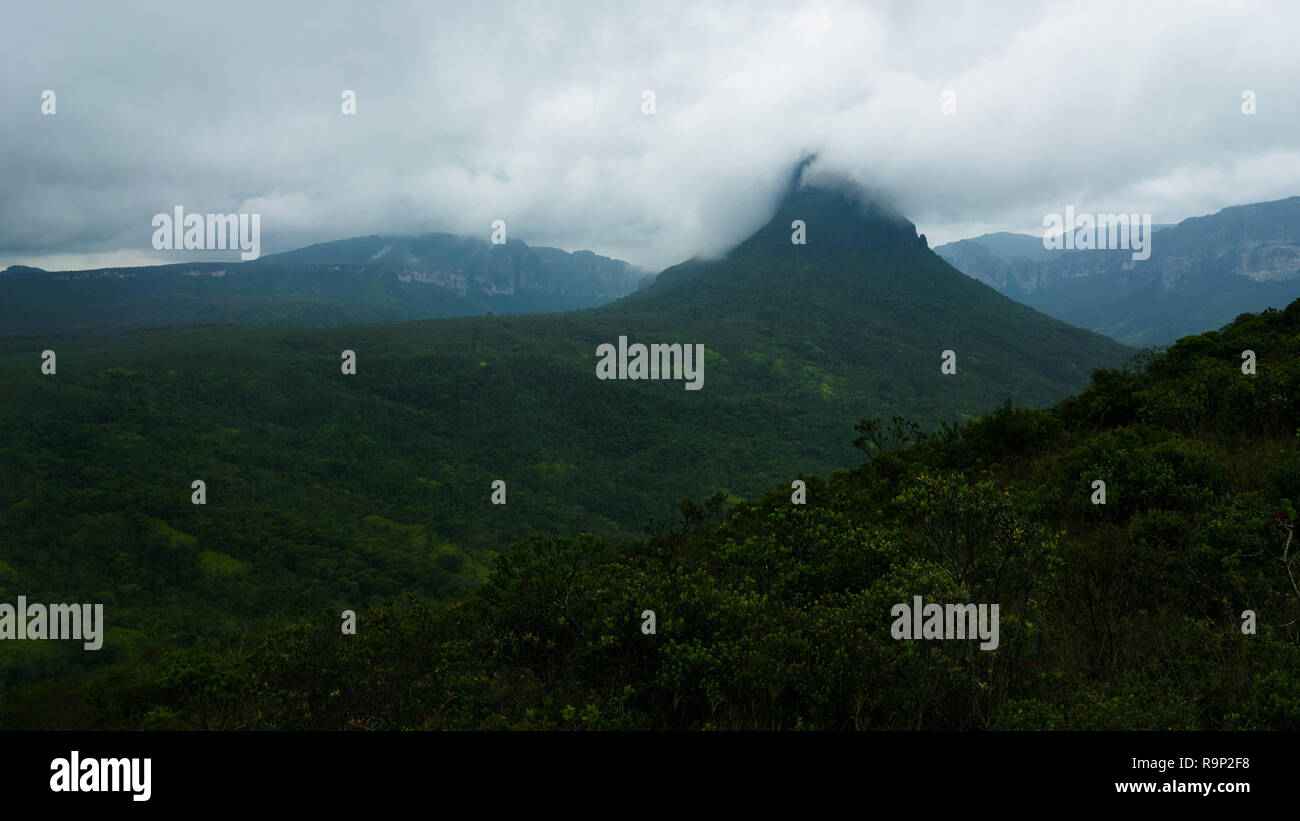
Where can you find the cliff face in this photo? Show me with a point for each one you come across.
(477, 265)
(1201, 274)
(364, 279)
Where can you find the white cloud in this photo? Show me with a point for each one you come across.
(532, 113)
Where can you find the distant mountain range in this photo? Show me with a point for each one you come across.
(1202, 273)
(365, 279)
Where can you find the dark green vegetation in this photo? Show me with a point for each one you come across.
(772, 616)
(775, 616)
(1202, 273)
(366, 279)
(327, 491)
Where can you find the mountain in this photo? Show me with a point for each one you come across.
(1202, 272)
(471, 264)
(365, 279)
(1002, 247)
(868, 305)
(1172, 606)
(327, 491)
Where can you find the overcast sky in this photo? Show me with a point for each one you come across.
(469, 112)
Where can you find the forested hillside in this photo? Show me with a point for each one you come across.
(776, 615)
(328, 490)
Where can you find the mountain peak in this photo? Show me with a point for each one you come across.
(837, 214)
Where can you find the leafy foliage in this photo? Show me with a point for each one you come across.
(776, 616)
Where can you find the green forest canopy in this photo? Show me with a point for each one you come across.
(769, 615)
